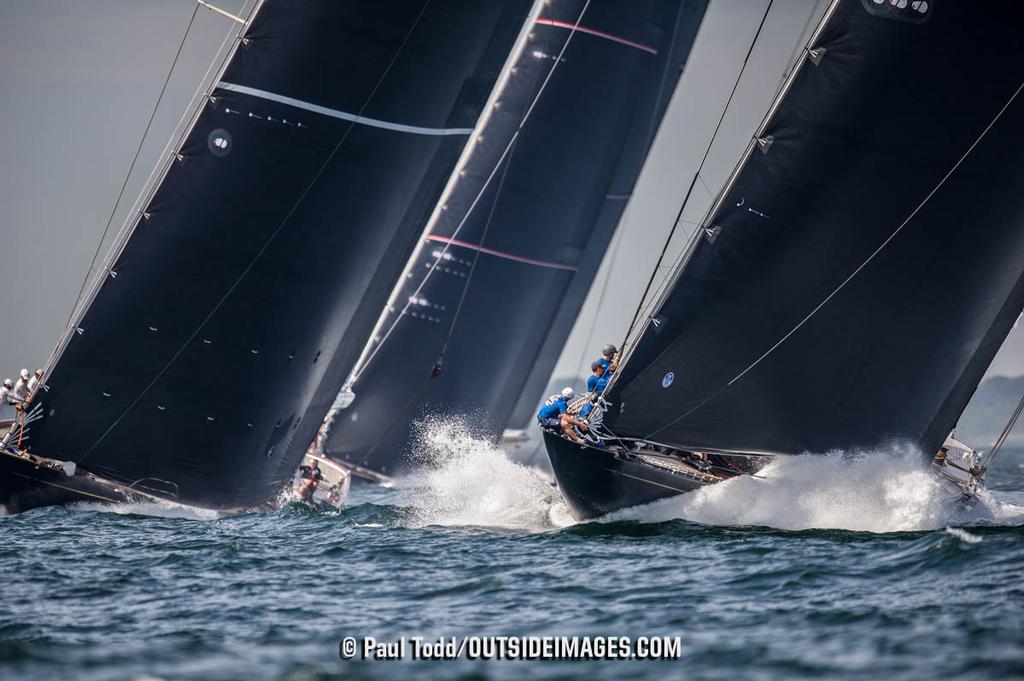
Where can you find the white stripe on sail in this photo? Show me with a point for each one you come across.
(343, 115)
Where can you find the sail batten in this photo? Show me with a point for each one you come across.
(865, 261)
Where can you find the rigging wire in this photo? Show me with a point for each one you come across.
(506, 160)
(435, 371)
(1003, 435)
(616, 247)
(856, 271)
(707, 152)
(124, 232)
(472, 206)
(692, 240)
(271, 238)
(131, 167)
(476, 258)
(615, 250)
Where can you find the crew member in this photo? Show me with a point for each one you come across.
(21, 389)
(7, 392)
(598, 379)
(34, 381)
(308, 489)
(609, 360)
(554, 415)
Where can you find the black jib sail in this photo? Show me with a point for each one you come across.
(856, 277)
(231, 316)
(501, 274)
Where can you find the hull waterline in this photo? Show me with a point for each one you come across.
(596, 481)
(27, 483)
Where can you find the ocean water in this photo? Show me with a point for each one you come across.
(826, 567)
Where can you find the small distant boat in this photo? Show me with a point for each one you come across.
(853, 279)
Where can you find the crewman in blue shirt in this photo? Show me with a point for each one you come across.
(609, 360)
(554, 415)
(598, 379)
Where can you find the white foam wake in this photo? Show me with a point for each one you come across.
(155, 509)
(466, 480)
(881, 491)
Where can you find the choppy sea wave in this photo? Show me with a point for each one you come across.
(826, 566)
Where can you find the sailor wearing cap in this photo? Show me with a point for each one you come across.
(7, 392)
(608, 360)
(598, 378)
(554, 414)
(21, 389)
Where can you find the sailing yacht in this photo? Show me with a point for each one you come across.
(206, 352)
(501, 270)
(810, 311)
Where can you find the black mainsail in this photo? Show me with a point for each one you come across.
(227, 321)
(856, 277)
(501, 273)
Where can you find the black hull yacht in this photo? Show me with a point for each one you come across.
(596, 481)
(28, 481)
(258, 254)
(811, 310)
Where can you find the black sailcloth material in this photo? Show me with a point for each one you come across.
(537, 233)
(230, 320)
(874, 121)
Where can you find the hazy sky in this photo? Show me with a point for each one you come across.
(78, 81)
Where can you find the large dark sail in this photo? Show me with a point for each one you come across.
(230, 318)
(855, 280)
(499, 279)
